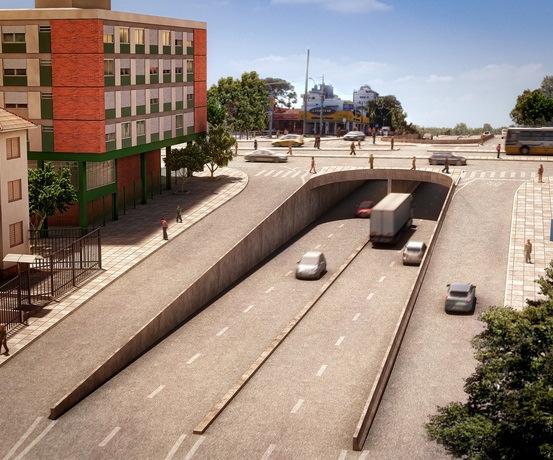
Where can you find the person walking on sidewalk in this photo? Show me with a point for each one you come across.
(528, 252)
(4, 339)
(371, 161)
(392, 143)
(318, 141)
(255, 144)
(290, 150)
(374, 136)
(445, 169)
(352, 149)
(312, 170)
(179, 215)
(164, 227)
(498, 149)
(359, 143)
(540, 174)
(414, 164)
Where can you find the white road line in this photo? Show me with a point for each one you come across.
(222, 331)
(370, 296)
(247, 309)
(356, 317)
(472, 174)
(502, 175)
(289, 273)
(278, 173)
(261, 172)
(272, 288)
(36, 440)
(318, 246)
(492, 174)
(295, 174)
(513, 174)
(364, 455)
(523, 174)
(340, 340)
(154, 393)
(343, 455)
(321, 370)
(392, 263)
(382, 278)
(271, 171)
(194, 358)
(268, 452)
(296, 408)
(195, 447)
(109, 437)
(175, 447)
(22, 439)
(341, 225)
(482, 175)
(331, 235)
(287, 173)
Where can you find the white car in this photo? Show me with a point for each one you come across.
(266, 155)
(354, 136)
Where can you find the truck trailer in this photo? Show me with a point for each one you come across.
(389, 216)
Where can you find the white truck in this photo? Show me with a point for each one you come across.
(389, 216)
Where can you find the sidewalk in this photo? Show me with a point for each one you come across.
(131, 239)
(531, 217)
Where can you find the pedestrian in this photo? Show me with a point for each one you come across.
(498, 149)
(312, 170)
(359, 143)
(540, 174)
(445, 169)
(3, 339)
(528, 252)
(255, 144)
(414, 164)
(352, 149)
(235, 147)
(392, 143)
(164, 227)
(179, 214)
(290, 150)
(371, 161)
(374, 137)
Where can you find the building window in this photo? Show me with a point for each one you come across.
(13, 148)
(190, 97)
(139, 36)
(13, 37)
(100, 173)
(108, 38)
(125, 130)
(154, 69)
(109, 67)
(16, 105)
(190, 66)
(167, 71)
(125, 71)
(124, 35)
(178, 70)
(178, 42)
(16, 234)
(165, 38)
(140, 128)
(15, 72)
(189, 43)
(14, 190)
(110, 137)
(179, 121)
(154, 100)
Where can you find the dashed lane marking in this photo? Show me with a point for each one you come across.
(321, 370)
(271, 171)
(109, 437)
(272, 288)
(356, 317)
(175, 447)
(154, 393)
(268, 452)
(248, 308)
(331, 235)
(340, 340)
(194, 358)
(392, 263)
(36, 440)
(382, 278)
(22, 439)
(195, 447)
(297, 407)
(343, 455)
(261, 172)
(370, 296)
(222, 331)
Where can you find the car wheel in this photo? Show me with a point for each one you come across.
(525, 150)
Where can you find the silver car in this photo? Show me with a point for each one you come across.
(311, 266)
(354, 136)
(461, 298)
(266, 155)
(439, 158)
(413, 252)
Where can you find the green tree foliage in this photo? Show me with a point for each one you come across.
(547, 86)
(185, 161)
(461, 129)
(282, 91)
(509, 412)
(387, 111)
(533, 108)
(49, 191)
(487, 127)
(245, 101)
(215, 110)
(217, 147)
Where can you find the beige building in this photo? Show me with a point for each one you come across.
(14, 194)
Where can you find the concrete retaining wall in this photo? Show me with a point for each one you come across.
(298, 211)
(438, 141)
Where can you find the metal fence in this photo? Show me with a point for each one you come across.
(67, 259)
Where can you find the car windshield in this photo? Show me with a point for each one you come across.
(413, 249)
(310, 260)
(458, 294)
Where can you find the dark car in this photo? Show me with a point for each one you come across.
(461, 298)
(364, 208)
(438, 158)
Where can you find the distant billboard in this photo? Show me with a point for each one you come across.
(326, 110)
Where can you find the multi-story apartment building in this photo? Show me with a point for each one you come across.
(107, 89)
(362, 97)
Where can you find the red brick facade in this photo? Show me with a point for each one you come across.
(79, 136)
(200, 80)
(68, 103)
(128, 174)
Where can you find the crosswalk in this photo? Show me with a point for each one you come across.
(498, 175)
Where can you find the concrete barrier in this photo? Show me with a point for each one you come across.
(372, 404)
(303, 207)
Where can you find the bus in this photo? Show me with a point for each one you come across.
(529, 141)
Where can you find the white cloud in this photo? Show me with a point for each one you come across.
(439, 78)
(341, 6)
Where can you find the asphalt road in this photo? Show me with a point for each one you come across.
(436, 355)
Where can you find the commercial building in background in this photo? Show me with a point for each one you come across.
(108, 90)
(362, 97)
(329, 101)
(14, 194)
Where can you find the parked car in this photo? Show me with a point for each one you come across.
(294, 140)
(364, 208)
(266, 155)
(461, 298)
(311, 266)
(438, 158)
(354, 136)
(486, 133)
(413, 252)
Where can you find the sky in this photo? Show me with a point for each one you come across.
(447, 61)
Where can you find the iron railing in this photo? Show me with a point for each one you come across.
(10, 302)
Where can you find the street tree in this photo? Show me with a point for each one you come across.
(387, 111)
(282, 91)
(547, 86)
(185, 161)
(533, 108)
(508, 413)
(487, 127)
(50, 191)
(216, 147)
(215, 110)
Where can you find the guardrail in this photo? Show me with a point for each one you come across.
(372, 404)
(10, 300)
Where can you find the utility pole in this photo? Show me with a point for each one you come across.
(322, 106)
(305, 95)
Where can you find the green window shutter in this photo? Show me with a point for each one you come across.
(46, 74)
(47, 139)
(46, 107)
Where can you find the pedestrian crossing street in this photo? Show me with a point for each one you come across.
(301, 174)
